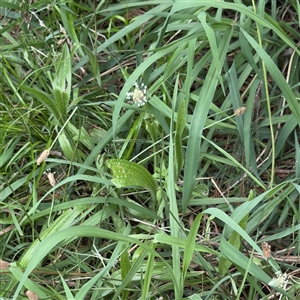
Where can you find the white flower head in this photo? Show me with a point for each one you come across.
(279, 281)
(51, 177)
(138, 95)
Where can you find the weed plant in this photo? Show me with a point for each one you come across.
(149, 149)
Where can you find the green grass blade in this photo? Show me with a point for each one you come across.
(277, 76)
(44, 99)
(87, 231)
(174, 220)
(29, 284)
(106, 139)
(198, 122)
(257, 180)
(60, 223)
(99, 277)
(180, 125)
(212, 42)
(189, 251)
(297, 158)
(240, 260)
(148, 275)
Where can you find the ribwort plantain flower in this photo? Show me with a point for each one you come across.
(138, 95)
(51, 177)
(43, 156)
(281, 280)
(32, 295)
(240, 111)
(4, 265)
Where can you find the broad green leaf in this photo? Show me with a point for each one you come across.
(129, 174)
(62, 82)
(66, 146)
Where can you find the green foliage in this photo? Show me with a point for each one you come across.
(128, 174)
(170, 200)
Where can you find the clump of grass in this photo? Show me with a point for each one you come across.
(187, 189)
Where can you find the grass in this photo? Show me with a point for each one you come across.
(168, 200)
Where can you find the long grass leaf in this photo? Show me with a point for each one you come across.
(180, 125)
(240, 260)
(178, 284)
(183, 4)
(84, 231)
(297, 158)
(198, 122)
(127, 29)
(277, 76)
(188, 252)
